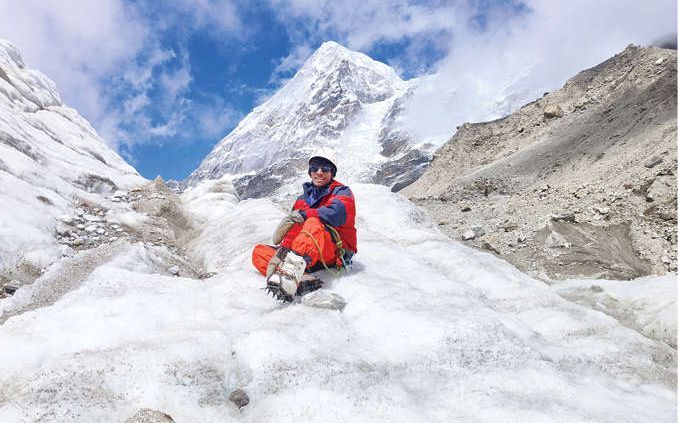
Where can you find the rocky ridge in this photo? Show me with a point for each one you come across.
(149, 217)
(579, 183)
(164, 222)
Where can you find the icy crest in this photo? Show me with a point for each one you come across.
(24, 88)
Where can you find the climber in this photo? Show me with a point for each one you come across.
(319, 232)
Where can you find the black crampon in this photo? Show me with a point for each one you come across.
(277, 293)
(306, 285)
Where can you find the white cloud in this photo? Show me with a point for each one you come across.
(293, 61)
(75, 43)
(489, 74)
(135, 104)
(107, 57)
(220, 16)
(176, 82)
(215, 119)
(360, 24)
(139, 73)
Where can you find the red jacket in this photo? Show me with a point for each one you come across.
(334, 205)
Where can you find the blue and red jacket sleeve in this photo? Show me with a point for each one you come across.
(335, 212)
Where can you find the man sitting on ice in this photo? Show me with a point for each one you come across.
(319, 233)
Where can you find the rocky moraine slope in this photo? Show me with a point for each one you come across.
(580, 183)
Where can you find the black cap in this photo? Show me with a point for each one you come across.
(322, 161)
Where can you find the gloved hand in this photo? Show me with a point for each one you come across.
(276, 260)
(286, 224)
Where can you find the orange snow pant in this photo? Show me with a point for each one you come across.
(312, 229)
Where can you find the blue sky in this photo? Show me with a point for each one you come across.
(163, 82)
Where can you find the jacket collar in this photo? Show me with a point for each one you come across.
(313, 194)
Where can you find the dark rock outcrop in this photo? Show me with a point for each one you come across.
(402, 172)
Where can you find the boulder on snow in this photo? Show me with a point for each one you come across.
(146, 415)
(10, 288)
(324, 299)
(239, 397)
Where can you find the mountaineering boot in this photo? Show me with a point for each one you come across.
(284, 282)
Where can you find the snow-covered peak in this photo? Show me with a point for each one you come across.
(332, 50)
(339, 99)
(333, 70)
(331, 56)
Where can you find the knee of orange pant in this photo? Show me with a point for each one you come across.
(312, 222)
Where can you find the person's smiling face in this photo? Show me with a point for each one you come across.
(320, 175)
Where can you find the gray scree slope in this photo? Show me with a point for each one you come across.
(580, 183)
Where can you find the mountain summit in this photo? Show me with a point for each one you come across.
(339, 99)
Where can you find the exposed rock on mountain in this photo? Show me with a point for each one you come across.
(402, 172)
(578, 183)
(339, 99)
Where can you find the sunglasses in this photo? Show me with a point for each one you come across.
(324, 169)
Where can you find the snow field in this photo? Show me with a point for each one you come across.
(648, 305)
(433, 332)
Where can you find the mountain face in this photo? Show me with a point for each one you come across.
(339, 99)
(51, 161)
(578, 183)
